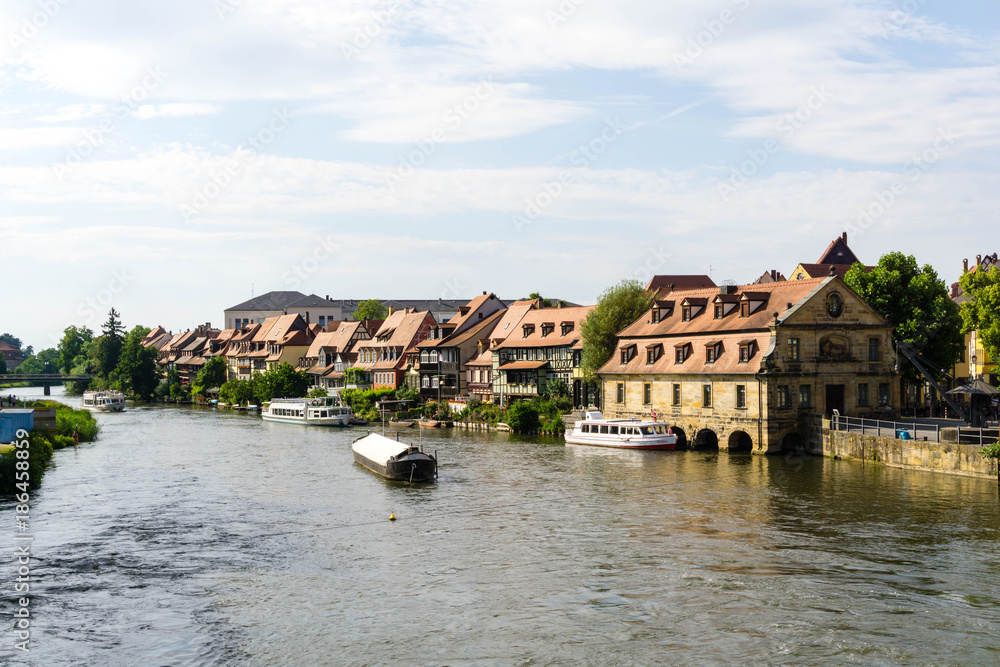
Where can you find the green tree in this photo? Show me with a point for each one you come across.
(137, 371)
(546, 303)
(917, 305)
(212, 374)
(35, 363)
(71, 346)
(110, 344)
(317, 392)
(618, 307)
(556, 388)
(3, 365)
(282, 382)
(981, 312)
(10, 339)
(522, 417)
(236, 392)
(354, 376)
(370, 309)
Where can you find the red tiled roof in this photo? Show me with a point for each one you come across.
(534, 318)
(680, 282)
(522, 365)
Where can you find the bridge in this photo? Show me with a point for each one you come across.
(45, 378)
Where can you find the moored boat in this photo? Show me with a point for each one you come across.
(104, 401)
(393, 459)
(429, 423)
(326, 411)
(595, 430)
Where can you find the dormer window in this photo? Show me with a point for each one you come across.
(528, 329)
(682, 352)
(692, 308)
(547, 328)
(713, 351)
(745, 309)
(747, 349)
(628, 353)
(719, 311)
(653, 353)
(687, 313)
(661, 311)
(567, 327)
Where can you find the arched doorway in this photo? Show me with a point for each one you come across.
(792, 442)
(682, 440)
(740, 442)
(706, 440)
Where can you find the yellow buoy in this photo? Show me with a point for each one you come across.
(392, 517)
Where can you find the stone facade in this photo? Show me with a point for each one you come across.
(806, 346)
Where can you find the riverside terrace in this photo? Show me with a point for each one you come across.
(744, 365)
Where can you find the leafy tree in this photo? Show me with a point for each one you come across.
(917, 305)
(317, 392)
(3, 365)
(282, 382)
(405, 393)
(10, 339)
(35, 363)
(370, 309)
(522, 417)
(982, 310)
(354, 376)
(212, 374)
(236, 392)
(557, 388)
(29, 350)
(546, 303)
(85, 363)
(618, 307)
(137, 371)
(110, 344)
(71, 346)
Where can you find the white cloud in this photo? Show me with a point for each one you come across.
(146, 111)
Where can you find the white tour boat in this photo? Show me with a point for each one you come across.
(594, 429)
(326, 411)
(104, 401)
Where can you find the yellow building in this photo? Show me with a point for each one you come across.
(742, 366)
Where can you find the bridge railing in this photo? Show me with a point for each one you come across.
(890, 429)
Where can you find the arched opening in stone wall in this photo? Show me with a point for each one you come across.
(682, 439)
(706, 440)
(793, 442)
(740, 442)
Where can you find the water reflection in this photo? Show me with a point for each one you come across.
(203, 537)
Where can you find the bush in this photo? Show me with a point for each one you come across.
(522, 417)
(39, 455)
(69, 419)
(317, 392)
(554, 426)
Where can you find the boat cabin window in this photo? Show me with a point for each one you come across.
(647, 430)
(614, 430)
(604, 428)
(585, 428)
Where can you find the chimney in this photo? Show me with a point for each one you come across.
(484, 292)
(843, 237)
(833, 269)
(979, 260)
(327, 297)
(307, 318)
(391, 310)
(965, 265)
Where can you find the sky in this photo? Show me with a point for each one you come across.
(172, 159)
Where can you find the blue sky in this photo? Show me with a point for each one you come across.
(167, 158)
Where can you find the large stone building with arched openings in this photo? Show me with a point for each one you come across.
(742, 366)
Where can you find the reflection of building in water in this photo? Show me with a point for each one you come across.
(739, 366)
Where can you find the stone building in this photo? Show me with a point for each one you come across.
(742, 366)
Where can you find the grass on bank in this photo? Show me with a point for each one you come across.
(42, 444)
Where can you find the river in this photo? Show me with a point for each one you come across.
(192, 536)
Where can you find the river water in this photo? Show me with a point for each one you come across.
(199, 537)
